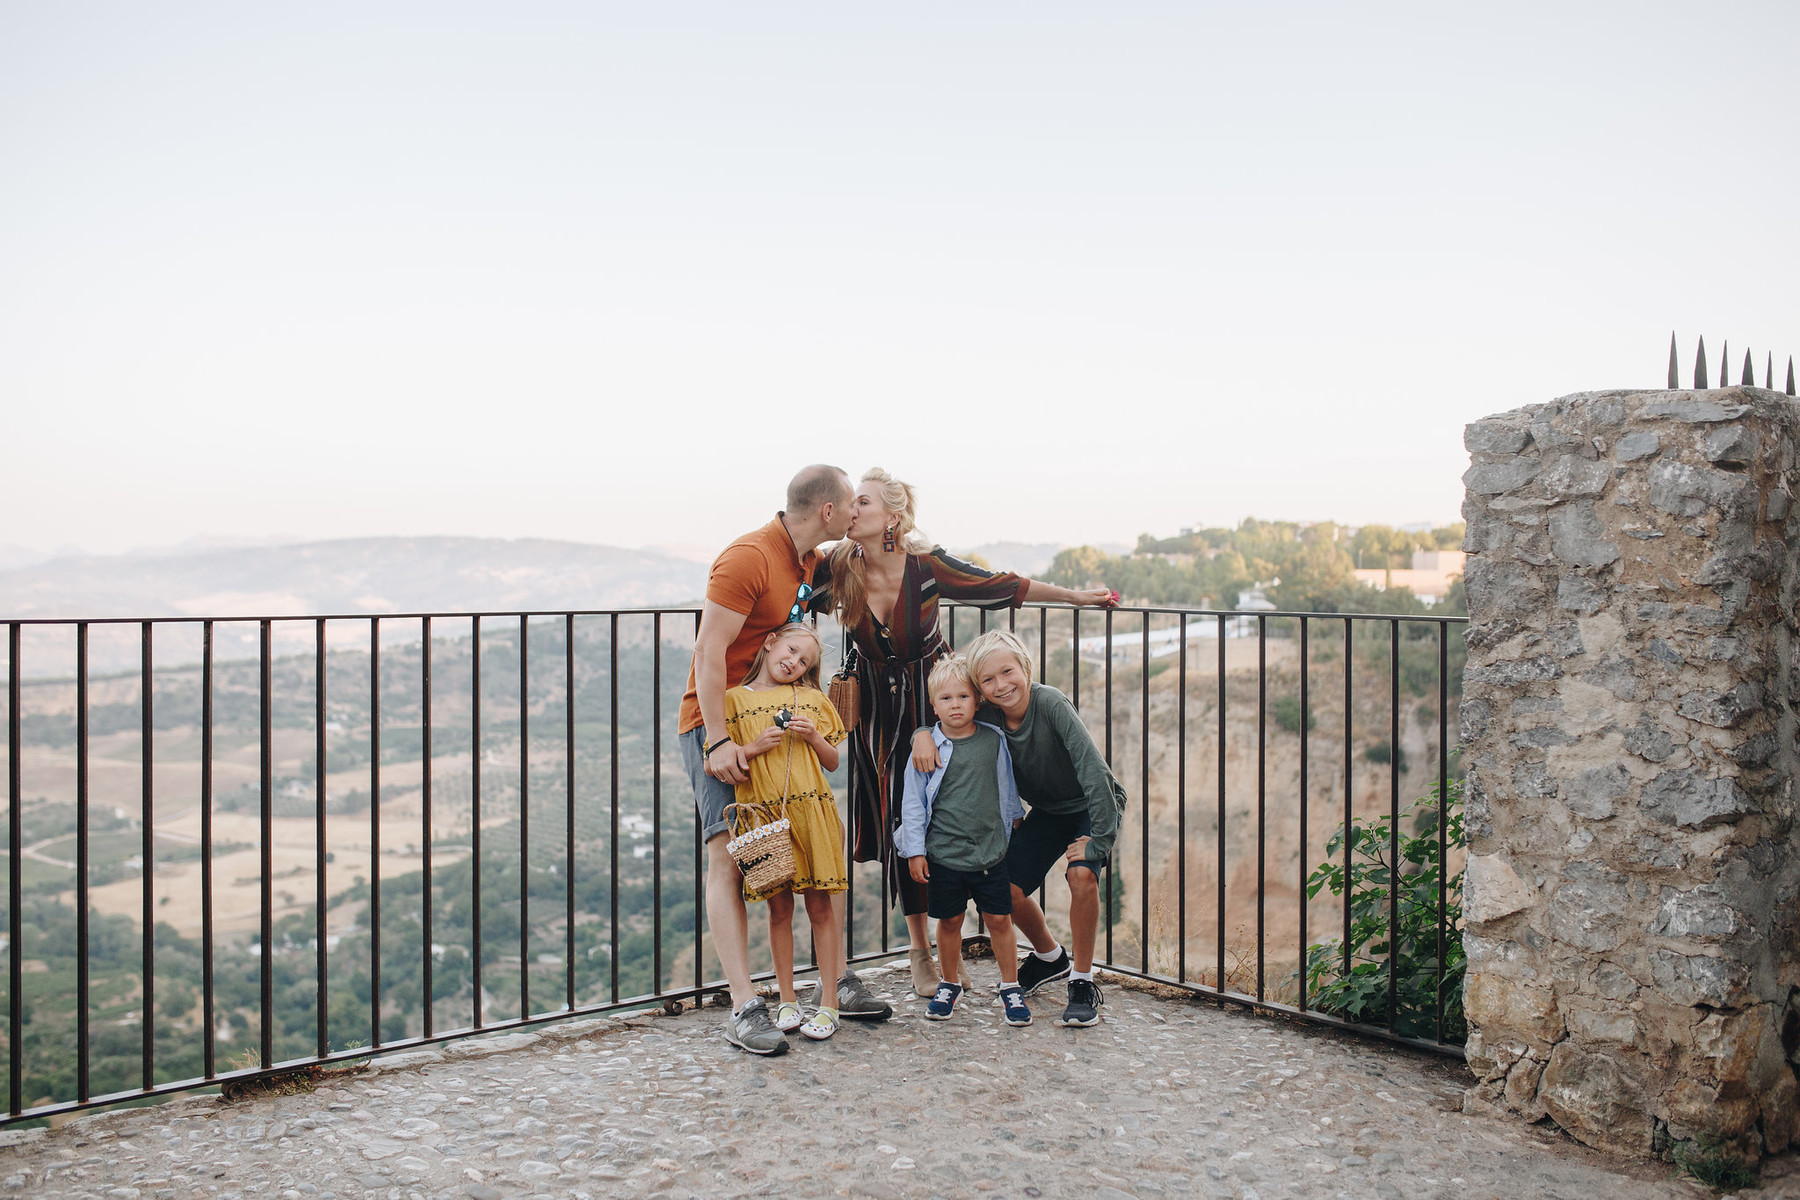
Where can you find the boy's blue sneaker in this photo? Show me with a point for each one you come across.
(940, 1006)
(1012, 1001)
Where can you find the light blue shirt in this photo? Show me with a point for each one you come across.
(921, 791)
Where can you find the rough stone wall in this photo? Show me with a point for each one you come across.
(1629, 735)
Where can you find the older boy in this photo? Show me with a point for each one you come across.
(1075, 808)
(954, 826)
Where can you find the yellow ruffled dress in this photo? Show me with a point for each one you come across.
(792, 769)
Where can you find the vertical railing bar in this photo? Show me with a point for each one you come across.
(1044, 666)
(524, 819)
(427, 893)
(207, 1015)
(1181, 808)
(266, 838)
(475, 810)
(984, 620)
(148, 759)
(613, 835)
(656, 964)
(569, 817)
(700, 865)
(951, 610)
(1106, 891)
(374, 831)
(82, 1028)
(1144, 805)
(1220, 830)
(1349, 769)
(15, 961)
(320, 891)
(1262, 761)
(1394, 825)
(1044, 640)
(1305, 738)
(1075, 659)
(1443, 813)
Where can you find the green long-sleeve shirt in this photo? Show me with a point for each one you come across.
(1058, 767)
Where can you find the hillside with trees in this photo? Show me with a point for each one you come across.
(1300, 567)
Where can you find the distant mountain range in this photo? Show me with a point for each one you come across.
(355, 575)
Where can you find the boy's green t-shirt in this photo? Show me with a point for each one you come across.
(967, 832)
(1059, 769)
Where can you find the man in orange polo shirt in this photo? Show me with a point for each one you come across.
(754, 588)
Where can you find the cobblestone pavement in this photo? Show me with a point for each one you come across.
(1167, 1097)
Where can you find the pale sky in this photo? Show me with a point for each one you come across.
(612, 272)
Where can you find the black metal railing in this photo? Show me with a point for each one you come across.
(103, 763)
(1746, 373)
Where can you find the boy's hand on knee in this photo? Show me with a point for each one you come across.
(1078, 849)
(921, 870)
(924, 754)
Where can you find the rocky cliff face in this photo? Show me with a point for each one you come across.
(1629, 735)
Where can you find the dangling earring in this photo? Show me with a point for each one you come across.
(856, 550)
(887, 539)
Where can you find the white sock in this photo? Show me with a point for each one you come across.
(1087, 975)
(1050, 955)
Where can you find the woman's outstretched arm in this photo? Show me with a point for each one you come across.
(1050, 593)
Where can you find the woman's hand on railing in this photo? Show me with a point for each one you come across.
(1050, 593)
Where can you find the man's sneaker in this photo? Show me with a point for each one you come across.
(750, 1029)
(1084, 1004)
(788, 1016)
(1034, 972)
(1012, 1001)
(855, 1003)
(940, 1006)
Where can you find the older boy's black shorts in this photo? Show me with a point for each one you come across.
(949, 891)
(1040, 843)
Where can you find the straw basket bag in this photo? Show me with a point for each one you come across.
(762, 844)
(764, 852)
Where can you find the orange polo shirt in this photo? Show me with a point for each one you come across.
(759, 575)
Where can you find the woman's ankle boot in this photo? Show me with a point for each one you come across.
(924, 972)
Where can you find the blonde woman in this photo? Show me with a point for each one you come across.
(884, 581)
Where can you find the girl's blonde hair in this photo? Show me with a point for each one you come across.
(998, 641)
(810, 678)
(951, 666)
(849, 585)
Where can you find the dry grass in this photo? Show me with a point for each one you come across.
(296, 1082)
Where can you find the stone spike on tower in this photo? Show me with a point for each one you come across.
(1747, 376)
(1674, 380)
(1700, 366)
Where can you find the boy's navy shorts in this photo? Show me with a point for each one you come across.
(948, 892)
(1041, 842)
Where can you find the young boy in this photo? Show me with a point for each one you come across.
(954, 825)
(1076, 805)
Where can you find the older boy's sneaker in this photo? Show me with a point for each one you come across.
(855, 1002)
(749, 1028)
(940, 1006)
(1084, 1004)
(1013, 1007)
(1034, 972)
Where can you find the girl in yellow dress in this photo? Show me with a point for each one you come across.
(790, 733)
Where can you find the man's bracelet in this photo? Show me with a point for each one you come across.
(722, 741)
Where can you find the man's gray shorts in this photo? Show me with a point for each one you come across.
(710, 796)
